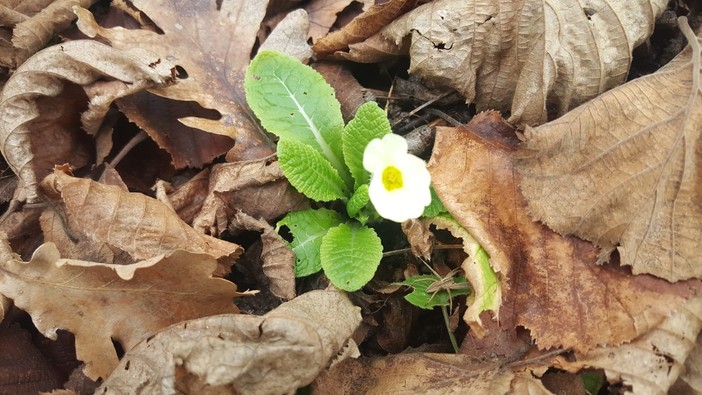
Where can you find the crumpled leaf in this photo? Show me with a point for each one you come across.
(35, 23)
(536, 59)
(211, 42)
(132, 222)
(271, 354)
(323, 14)
(692, 372)
(278, 258)
(653, 362)
(428, 373)
(624, 169)
(363, 26)
(40, 104)
(553, 286)
(99, 302)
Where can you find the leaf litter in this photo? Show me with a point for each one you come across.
(110, 266)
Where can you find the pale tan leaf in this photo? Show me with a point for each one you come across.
(131, 222)
(99, 302)
(211, 42)
(363, 26)
(654, 361)
(271, 354)
(536, 59)
(375, 49)
(290, 36)
(552, 286)
(624, 169)
(278, 259)
(692, 373)
(34, 26)
(39, 103)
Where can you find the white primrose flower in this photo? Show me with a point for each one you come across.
(399, 187)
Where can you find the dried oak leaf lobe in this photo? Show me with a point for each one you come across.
(131, 222)
(211, 42)
(43, 99)
(536, 58)
(624, 169)
(271, 354)
(99, 302)
(553, 286)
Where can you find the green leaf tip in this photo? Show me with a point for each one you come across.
(350, 255)
(369, 123)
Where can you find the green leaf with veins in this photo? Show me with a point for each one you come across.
(294, 102)
(369, 123)
(307, 228)
(350, 255)
(424, 299)
(309, 172)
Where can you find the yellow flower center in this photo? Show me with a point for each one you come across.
(392, 178)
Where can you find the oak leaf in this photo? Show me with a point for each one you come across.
(551, 284)
(131, 222)
(271, 354)
(536, 59)
(42, 101)
(100, 302)
(211, 42)
(623, 169)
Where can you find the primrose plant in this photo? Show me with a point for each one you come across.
(361, 164)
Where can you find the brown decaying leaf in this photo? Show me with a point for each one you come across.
(34, 26)
(554, 288)
(363, 26)
(23, 368)
(534, 58)
(347, 90)
(206, 110)
(278, 258)
(290, 36)
(99, 302)
(654, 361)
(624, 169)
(375, 49)
(187, 198)
(131, 222)
(419, 237)
(256, 187)
(42, 100)
(323, 15)
(271, 354)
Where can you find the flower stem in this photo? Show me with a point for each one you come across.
(454, 344)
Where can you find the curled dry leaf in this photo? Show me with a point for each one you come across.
(256, 187)
(211, 42)
(624, 169)
(35, 23)
(534, 58)
(42, 100)
(653, 362)
(271, 354)
(131, 222)
(278, 258)
(290, 36)
(323, 14)
(363, 26)
(553, 288)
(99, 302)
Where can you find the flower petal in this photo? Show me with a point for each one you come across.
(374, 156)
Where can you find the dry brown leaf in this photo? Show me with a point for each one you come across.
(624, 169)
(290, 36)
(419, 237)
(323, 15)
(554, 288)
(692, 372)
(99, 302)
(23, 367)
(278, 258)
(34, 25)
(535, 58)
(187, 198)
(347, 90)
(272, 354)
(375, 49)
(40, 103)
(653, 362)
(256, 187)
(206, 111)
(426, 373)
(131, 222)
(363, 26)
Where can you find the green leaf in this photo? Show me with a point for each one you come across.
(307, 228)
(294, 102)
(421, 298)
(309, 172)
(435, 207)
(358, 201)
(350, 255)
(369, 123)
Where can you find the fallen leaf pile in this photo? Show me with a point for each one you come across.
(139, 251)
